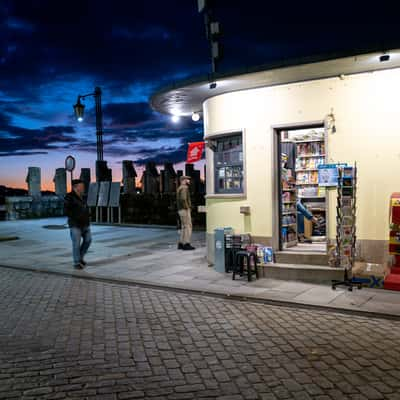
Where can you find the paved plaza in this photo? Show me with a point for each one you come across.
(148, 256)
(67, 337)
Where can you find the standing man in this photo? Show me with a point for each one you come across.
(184, 210)
(78, 214)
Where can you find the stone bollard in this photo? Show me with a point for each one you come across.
(60, 182)
(128, 176)
(85, 177)
(33, 180)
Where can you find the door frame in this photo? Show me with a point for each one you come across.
(276, 178)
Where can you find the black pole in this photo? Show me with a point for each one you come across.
(212, 33)
(99, 123)
(208, 20)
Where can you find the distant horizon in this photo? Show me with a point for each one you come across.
(48, 185)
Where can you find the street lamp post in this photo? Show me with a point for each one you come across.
(102, 172)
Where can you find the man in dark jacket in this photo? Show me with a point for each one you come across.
(78, 214)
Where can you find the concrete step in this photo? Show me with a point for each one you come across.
(302, 272)
(299, 257)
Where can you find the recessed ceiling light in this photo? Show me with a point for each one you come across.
(195, 116)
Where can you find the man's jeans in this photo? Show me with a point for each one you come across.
(80, 249)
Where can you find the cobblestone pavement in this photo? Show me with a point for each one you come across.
(74, 338)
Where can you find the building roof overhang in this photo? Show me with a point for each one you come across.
(184, 98)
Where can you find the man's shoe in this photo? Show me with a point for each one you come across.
(180, 246)
(83, 262)
(78, 266)
(188, 246)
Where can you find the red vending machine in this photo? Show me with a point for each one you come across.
(392, 281)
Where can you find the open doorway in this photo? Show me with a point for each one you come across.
(302, 203)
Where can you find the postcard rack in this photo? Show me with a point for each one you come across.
(346, 224)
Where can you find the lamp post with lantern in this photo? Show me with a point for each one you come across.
(102, 172)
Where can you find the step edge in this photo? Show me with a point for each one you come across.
(299, 253)
(303, 266)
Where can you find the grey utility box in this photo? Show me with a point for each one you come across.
(219, 248)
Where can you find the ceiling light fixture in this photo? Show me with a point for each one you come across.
(195, 116)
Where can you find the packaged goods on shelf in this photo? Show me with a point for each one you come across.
(314, 135)
(314, 204)
(288, 208)
(288, 196)
(313, 177)
(309, 163)
(310, 135)
(319, 228)
(310, 148)
(288, 219)
(311, 191)
(302, 177)
(307, 177)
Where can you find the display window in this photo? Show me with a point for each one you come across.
(228, 164)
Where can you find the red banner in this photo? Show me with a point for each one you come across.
(195, 151)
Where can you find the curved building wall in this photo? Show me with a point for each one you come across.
(366, 108)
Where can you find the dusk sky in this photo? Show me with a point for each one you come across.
(51, 51)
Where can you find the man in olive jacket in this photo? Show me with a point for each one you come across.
(184, 210)
(78, 214)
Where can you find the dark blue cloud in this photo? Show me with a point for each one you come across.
(143, 32)
(20, 153)
(127, 114)
(19, 141)
(19, 25)
(51, 51)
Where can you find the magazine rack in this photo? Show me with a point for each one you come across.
(346, 225)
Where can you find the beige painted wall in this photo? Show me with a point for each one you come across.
(367, 110)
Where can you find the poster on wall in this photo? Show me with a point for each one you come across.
(328, 174)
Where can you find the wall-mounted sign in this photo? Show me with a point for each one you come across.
(195, 151)
(328, 174)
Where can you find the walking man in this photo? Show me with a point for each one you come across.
(78, 215)
(184, 210)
